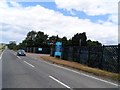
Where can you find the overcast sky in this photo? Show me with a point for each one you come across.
(98, 18)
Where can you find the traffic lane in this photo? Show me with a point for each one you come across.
(1, 69)
(17, 74)
(72, 79)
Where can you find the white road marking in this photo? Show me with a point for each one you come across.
(1, 55)
(29, 64)
(88, 75)
(18, 57)
(59, 82)
(83, 74)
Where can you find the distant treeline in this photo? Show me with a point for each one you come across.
(39, 39)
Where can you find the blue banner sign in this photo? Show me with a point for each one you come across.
(58, 49)
(39, 49)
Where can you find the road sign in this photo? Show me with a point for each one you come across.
(58, 49)
(39, 49)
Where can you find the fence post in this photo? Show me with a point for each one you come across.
(88, 61)
(33, 49)
(27, 49)
(79, 54)
(101, 62)
(118, 65)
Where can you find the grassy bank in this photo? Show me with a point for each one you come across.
(79, 66)
(2, 47)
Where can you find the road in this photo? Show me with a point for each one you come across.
(0, 70)
(27, 72)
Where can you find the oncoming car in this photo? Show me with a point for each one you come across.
(21, 53)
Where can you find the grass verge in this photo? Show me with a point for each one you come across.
(79, 66)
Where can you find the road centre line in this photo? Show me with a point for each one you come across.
(18, 57)
(29, 64)
(83, 74)
(59, 82)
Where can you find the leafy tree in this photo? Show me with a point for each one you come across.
(79, 39)
(53, 39)
(34, 39)
(58, 39)
(93, 43)
(30, 39)
(41, 39)
(37, 39)
(64, 41)
(12, 46)
(23, 44)
(70, 42)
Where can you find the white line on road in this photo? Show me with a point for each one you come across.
(29, 64)
(18, 57)
(89, 76)
(59, 82)
(83, 74)
(1, 55)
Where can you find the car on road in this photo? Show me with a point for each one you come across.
(21, 53)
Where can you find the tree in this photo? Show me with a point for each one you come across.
(58, 39)
(41, 39)
(23, 44)
(64, 41)
(35, 39)
(12, 45)
(53, 39)
(79, 39)
(30, 39)
(93, 43)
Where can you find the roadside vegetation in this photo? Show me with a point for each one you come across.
(2, 47)
(13, 46)
(40, 39)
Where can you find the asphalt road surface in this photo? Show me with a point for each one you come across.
(27, 72)
(0, 70)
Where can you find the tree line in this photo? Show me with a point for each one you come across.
(40, 39)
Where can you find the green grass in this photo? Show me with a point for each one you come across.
(2, 47)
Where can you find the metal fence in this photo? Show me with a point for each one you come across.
(36, 50)
(104, 57)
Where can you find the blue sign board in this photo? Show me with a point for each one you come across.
(39, 49)
(58, 49)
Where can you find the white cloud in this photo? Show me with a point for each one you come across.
(90, 7)
(18, 20)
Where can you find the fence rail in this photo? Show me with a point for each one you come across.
(104, 57)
